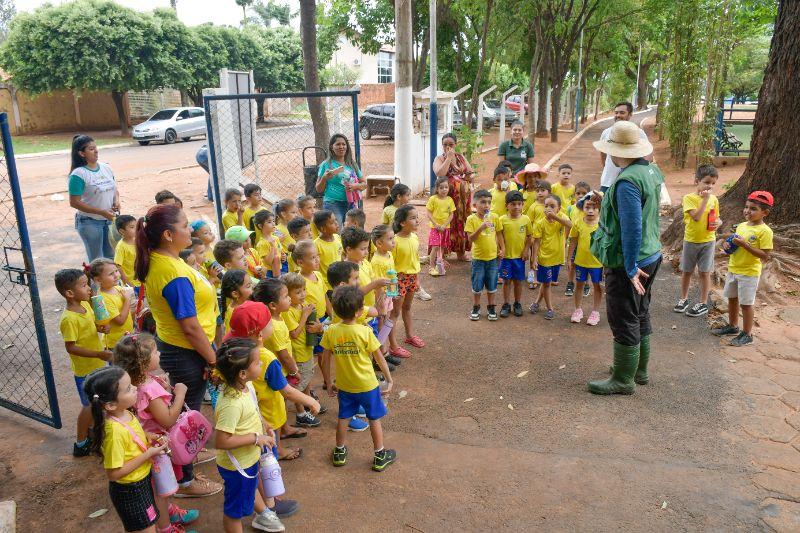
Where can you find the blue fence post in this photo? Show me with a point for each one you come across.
(33, 287)
(212, 159)
(356, 131)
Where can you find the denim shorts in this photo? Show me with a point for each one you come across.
(240, 492)
(82, 395)
(484, 275)
(512, 269)
(371, 401)
(547, 274)
(584, 273)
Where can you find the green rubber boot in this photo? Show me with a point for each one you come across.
(641, 377)
(626, 360)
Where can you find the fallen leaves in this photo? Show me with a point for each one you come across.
(468, 400)
(402, 394)
(98, 513)
(690, 352)
(562, 367)
(522, 374)
(511, 407)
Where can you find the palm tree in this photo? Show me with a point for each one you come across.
(244, 4)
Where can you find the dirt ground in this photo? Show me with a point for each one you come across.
(710, 445)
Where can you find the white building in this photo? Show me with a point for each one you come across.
(370, 68)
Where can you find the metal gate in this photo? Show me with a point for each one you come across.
(278, 128)
(26, 375)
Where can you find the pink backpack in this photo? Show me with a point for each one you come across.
(188, 436)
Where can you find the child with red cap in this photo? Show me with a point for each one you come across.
(748, 247)
(253, 320)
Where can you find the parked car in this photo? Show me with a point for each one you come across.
(377, 119)
(488, 118)
(170, 124)
(513, 103)
(494, 105)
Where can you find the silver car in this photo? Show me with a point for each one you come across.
(170, 124)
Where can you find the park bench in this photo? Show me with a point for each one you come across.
(378, 181)
(729, 142)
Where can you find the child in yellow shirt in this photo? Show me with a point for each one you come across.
(582, 262)
(482, 228)
(236, 288)
(527, 180)
(352, 347)
(441, 209)
(563, 188)
(406, 260)
(502, 186)
(234, 209)
(86, 353)
(548, 250)
(269, 248)
(329, 243)
(243, 235)
(514, 230)
(285, 212)
(398, 196)
(105, 276)
(575, 213)
(253, 203)
(307, 206)
(125, 251)
(299, 230)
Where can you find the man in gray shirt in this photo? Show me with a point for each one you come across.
(622, 111)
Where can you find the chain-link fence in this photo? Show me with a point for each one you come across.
(143, 104)
(262, 138)
(26, 375)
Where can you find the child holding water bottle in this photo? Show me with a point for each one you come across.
(482, 227)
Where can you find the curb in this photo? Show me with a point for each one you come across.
(67, 152)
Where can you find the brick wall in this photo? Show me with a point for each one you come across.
(375, 93)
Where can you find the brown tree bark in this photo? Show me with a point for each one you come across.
(119, 103)
(481, 63)
(316, 107)
(541, 114)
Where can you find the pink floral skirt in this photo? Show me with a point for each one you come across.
(439, 238)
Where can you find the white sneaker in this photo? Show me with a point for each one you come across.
(268, 521)
(422, 294)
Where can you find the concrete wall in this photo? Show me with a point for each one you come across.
(57, 111)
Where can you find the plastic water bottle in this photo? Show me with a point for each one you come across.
(386, 328)
(311, 338)
(531, 276)
(164, 476)
(271, 477)
(391, 290)
(101, 314)
(731, 247)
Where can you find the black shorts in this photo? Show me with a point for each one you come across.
(627, 311)
(134, 503)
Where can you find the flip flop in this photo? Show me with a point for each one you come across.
(415, 342)
(400, 352)
(296, 435)
(297, 453)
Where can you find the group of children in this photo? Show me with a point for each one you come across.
(525, 229)
(296, 292)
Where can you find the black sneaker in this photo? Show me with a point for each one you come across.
(570, 290)
(339, 456)
(322, 410)
(392, 359)
(81, 451)
(383, 459)
(742, 339)
(491, 314)
(505, 310)
(377, 368)
(306, 420)
(476, 312)
(517, 309)
(697, 310)
(586, 290)
(725, 330)
(681, 306)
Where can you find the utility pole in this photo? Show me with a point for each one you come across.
(434, 122)
(402, 97)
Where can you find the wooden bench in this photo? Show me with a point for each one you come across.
(378, 181)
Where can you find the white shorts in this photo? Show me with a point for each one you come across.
(742, 287)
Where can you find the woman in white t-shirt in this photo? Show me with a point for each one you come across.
(93, 193)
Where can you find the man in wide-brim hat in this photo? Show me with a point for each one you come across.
(627, 243)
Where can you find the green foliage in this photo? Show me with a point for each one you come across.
(7, 12)
(279, 66)
(506, 77)
(267, 12)
(746, 69)
(338, 76)
(469, 143)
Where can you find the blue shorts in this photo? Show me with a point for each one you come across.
(82, 395)
(584, 273)
(285, 267)
(373, 323)
(547, 274)
(371, 402)
(484, 275)
(512, 269)
(240, 492)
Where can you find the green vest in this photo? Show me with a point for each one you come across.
(607, 239)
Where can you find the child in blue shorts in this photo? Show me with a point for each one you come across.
(547, 256)
(587, 267)
(482, 228)
(352, 347)
(513, 240)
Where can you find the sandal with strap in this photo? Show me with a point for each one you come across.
(400, 352)
(415, 341)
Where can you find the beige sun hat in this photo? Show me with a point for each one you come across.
(625, 140)
(532, 168)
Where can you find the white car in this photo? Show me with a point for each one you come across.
(170, 124)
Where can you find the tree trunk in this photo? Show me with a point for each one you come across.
(473, 108)
(422, 60)
(119, 102)
(642, 86)
(308, 32)
(774, 162)
(541, 118)
(554, 109)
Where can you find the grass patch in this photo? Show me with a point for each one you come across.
(50, 142)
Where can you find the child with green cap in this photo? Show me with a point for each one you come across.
(243, 235)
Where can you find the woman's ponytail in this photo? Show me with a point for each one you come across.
(149, 231)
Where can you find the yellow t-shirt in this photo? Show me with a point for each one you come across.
(551, 248)
(280, 339)
(119, 447)
(515, 231)
(406, 254)
(583, 232)
(114, 302)
(236, 414)
(315, 293)
(484, 247)
(535, 212)
(314, 230)
(270, 402)
(230, 218)
(529, 197)
(229, 307)
(567, 194)
(499, 199)
(697, 231)
(300, 351)
(264, 248)
(351, 346)
(743, 262)
(381, 265)
(362, 317)
(247, 216)
(125, 256)
(282, 232)
(365, 277)
(165, 269)
(439, 210)
(329, 252)
(81, 329)
(388, 214)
